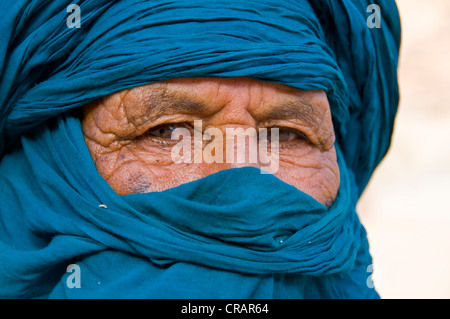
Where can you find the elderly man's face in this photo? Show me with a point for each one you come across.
(129, 133)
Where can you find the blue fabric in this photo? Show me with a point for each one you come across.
(219, 237)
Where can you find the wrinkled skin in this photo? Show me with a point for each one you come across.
(128, 133)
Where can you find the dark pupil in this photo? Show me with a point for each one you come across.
(166, 131)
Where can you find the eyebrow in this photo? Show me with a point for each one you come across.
(298, 109)
(163, 103)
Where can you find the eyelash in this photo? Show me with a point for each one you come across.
(300, 136)
(167, 141)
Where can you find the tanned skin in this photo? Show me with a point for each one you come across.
(128, 133)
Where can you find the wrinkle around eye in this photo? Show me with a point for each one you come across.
(293, 135)
(169, 128)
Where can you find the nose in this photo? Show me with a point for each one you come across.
(231, 146)
(229, 136)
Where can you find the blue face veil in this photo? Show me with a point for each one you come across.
(258, 239)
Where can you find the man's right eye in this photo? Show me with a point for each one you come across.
(164, 131)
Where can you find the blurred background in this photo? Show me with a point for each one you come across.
(405, 209)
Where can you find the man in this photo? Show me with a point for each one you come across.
(129, 133)
(122, 172)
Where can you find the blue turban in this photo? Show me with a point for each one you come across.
(258, 239)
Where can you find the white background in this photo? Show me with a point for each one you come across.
(406, 207)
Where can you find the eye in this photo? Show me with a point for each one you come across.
(165, 131)
(285, 135)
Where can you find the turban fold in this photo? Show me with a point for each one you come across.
(259, 239)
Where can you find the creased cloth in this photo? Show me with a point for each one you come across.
(219, 237)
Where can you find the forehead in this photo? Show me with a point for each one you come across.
(241, 89)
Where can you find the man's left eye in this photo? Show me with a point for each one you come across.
(165, 130)
(285, 135)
